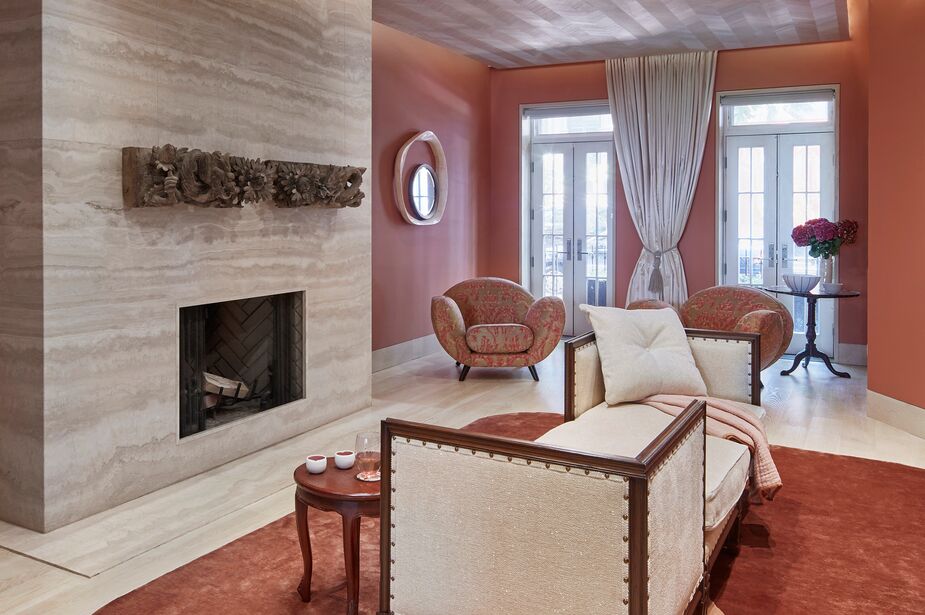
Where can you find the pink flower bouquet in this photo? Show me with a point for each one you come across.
(823, 237)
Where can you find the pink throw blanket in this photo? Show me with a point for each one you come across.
(729, 420)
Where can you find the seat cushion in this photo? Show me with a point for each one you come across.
(643, 353)
(499, 339)
(626, 429)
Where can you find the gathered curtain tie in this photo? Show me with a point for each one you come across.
(656, 281)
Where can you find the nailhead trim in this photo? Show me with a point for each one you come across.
(511, 459)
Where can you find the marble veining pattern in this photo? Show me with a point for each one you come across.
(280, 80)
(21, 308)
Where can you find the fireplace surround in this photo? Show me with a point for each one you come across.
(238, 358)
(91, 290)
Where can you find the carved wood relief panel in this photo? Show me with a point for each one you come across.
(167, 175)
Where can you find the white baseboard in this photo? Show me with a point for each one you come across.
(390, 356)
(851, 354)
(896, 413)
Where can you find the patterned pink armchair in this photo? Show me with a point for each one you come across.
(491, 322)
(736, 308)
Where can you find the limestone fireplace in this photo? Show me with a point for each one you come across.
(91, 292)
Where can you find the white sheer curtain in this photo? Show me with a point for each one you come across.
(661, 108)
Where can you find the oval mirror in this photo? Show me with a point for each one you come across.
(422, 191)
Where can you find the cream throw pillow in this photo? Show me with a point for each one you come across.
(643, 353)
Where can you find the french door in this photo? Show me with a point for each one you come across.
(774, 183)
(571, 213)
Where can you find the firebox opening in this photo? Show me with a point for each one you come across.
(238, 358)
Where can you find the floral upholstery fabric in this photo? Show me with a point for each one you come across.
(491, 301)
(723, 308)
(649, 304)
(770, 327)
(735, 308)
(499, 339)
(495, 301)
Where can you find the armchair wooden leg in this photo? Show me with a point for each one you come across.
(464, 373)
(457, 364)
(533, 373)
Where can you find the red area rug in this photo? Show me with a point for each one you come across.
(844, 536)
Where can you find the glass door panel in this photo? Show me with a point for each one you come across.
(750, 229)
(572, 218)
(594, 195)
(807, 191)
(552, 196)
(773, 183)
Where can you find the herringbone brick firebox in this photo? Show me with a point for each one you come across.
(238, 358)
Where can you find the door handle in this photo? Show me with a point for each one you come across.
(783, 256)
(579, 252)
(568, 249)
(772, 257)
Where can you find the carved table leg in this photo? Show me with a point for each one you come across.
(305, 542)
(828, 364)
(796, 363)
(352, 561)
(811, 351)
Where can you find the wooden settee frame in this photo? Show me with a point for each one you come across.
(637, 471)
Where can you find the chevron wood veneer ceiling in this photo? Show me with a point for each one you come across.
(513, 33)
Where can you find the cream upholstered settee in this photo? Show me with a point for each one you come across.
(620, 510)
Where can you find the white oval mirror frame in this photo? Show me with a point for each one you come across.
(402, 192)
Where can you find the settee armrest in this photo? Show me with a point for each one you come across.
(728, 362)
(584, 380)
(480, 524)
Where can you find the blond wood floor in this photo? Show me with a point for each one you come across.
(81, 567)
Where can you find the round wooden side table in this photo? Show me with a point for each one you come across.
(336, 491)
(811, 351)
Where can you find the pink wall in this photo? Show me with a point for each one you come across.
(897, 186)
(524, 86)
(842, 63)
(419, 86)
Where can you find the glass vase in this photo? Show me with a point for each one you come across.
(828, 269)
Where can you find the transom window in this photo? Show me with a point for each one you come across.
(573, 124)
(781, 113)
(786, 112)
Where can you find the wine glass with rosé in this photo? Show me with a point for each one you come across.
(369, 458)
